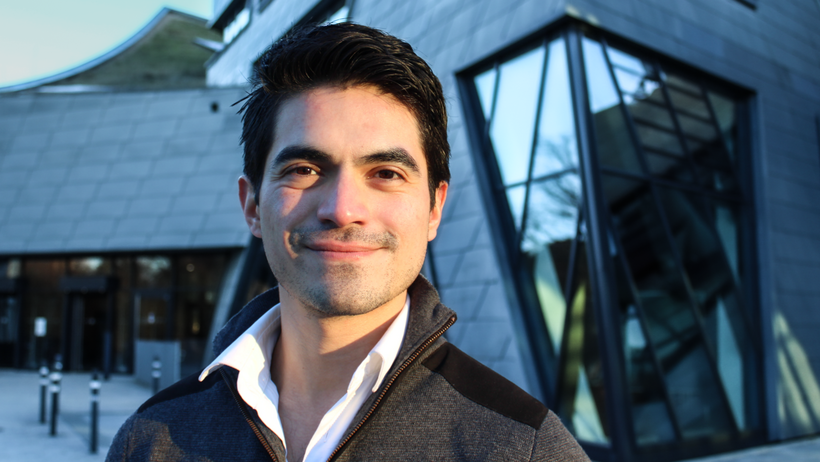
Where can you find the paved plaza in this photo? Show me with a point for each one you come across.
(24, 439)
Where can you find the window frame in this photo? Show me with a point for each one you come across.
(517, 278)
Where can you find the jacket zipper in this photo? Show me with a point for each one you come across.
(247, 416)
(401, 369)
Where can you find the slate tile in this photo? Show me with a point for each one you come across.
(457, 234)
(130, 170)
(126, 243)
(139, 226)
(466, 300)
(211, 239)
(153, 206)
(478, 265)
(114, 133)
(53, 157)
(181, 166)
(167, 186)
(207, 123)
(143, 150)
(225, 221)
(192, 203)
(42, 120)
(94, 228)
(15, 230)
(88, 173)
(118, 189)
(66, 211)
(70, 137)
(154, 129)
(181, 223)
(100, 153)
(19, 160)
(170, 241)
(207, 183)
(76, 192)
(120, 113)
(30, 142)
(106, 208)
(487, 341)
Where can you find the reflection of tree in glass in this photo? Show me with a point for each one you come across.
(553, 211)
(555, 153)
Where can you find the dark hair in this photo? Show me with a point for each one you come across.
(343, 55)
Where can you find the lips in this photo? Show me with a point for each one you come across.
(349, 241)
(341, 247)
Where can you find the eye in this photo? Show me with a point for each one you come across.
(303, 171)
(387, 175)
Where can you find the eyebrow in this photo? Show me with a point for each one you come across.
(291, 153)
(391, 156)
(394, 156)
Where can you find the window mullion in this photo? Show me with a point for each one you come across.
(533, 145)
(621, 436)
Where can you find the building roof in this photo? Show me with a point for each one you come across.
(163, 55)
(120, 171)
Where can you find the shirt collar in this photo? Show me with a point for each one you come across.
(256, 344)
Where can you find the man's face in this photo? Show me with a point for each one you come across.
(344, 206)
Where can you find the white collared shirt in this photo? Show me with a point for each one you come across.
(251, 354)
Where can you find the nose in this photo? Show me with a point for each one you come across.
(344, 202)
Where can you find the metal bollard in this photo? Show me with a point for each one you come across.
(95, 410)
(56, 378)
(43, 392)
(156, 373)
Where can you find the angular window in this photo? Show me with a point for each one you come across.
(658, 144)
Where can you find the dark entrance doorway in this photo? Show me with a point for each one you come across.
(9, 329)
(85, 341)
(88, 317)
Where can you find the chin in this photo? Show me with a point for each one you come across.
(352, 300)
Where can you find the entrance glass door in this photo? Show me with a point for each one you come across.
(9, 323)
(152, 316)
(85, 326)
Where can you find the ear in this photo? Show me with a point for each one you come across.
(249, 207)
(437, 211)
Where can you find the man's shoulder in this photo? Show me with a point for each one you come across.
(485, 387)
(187, 387)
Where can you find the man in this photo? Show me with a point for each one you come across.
(346, 176)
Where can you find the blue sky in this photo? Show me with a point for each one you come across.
(40, 38)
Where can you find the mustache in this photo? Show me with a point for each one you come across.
(303, 237)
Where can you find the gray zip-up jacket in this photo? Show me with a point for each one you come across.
(436, 403)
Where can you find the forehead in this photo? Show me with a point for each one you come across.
(347, 121)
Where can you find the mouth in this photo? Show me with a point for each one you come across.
(336, 250)
(349, 244)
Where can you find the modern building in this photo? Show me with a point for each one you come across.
(632, 233)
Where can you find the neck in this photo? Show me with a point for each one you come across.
(316, 356)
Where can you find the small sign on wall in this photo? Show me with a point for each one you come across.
(40, 327)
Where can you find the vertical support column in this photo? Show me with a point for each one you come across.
(95, 411)
(108, 331)
(621, 435)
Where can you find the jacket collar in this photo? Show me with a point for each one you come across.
(427, 315)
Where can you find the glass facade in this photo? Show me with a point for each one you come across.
(89, 302)
(577, 131)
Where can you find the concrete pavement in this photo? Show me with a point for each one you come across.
(23, 438)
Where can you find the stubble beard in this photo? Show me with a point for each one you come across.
(344, 289)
